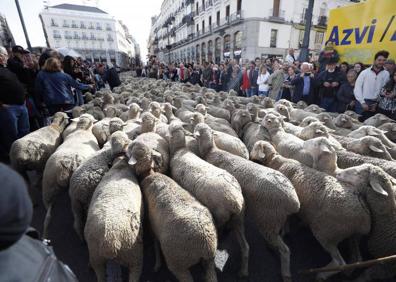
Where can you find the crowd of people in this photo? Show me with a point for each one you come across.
(335, 86)
(35, 86)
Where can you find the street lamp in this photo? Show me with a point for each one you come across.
(307, 32)
(23, 25)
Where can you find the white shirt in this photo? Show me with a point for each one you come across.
(262, 81)
(369, 84)
(289, 59)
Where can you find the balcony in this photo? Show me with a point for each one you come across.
(188, 2)
(57, 36)
(76, 37)
(66, 25)
(98, 28)
(100, 39)
(322, 21)
(84, 37)
(91, 27)
(54, 25)
(92, 38)
(110, 39)
(83, 26)
(68, 37)
(108, 28)
(277, 17)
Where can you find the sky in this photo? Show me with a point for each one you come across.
(136, 14)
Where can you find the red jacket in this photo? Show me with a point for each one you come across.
(245, 81)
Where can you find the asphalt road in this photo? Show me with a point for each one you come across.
(263, 266)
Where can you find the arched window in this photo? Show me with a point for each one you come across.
(210, 51)
(197, 58)
(217, 53)
(237, 45)
(227, 46)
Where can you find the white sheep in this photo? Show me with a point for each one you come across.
(78, 146)
(133, 112)
(333, 212)
(183, 227)
(377, 120)
(369, 146)
(389, 129)
(270, 197)
(114, 230)
(215, 188)
(87, 176)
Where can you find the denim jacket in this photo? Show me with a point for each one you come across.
(56, 87)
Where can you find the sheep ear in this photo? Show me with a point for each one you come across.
(157, 159)
(132, 161)
(325, 149)
(319, 131)
(375, 184)
(375, 149)
(173, 107)
(330, 130)
(75, 119)
(372, 132)
(138, 121)
(197, 134)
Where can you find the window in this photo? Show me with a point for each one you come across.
(98, 26)
(274, 37)
(203, 52)
(197, 8)
(53, 23)
(210, 51)
(218, 18)
(203, 4)
(82, 25)
(227, 43)
(238, 41)
(74, 25)
(197, 29)
(210, 22)
(108, 27)
(275, 11)
(197, 53)
(319, 37)
(65, 24)
(227, 12)
(218, 50)
(239, 6)
(203, 26)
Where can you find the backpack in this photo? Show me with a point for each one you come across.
(33, 260)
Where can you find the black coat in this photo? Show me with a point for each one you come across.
(345, 96)
(112, 78)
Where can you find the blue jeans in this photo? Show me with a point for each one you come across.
(14, 121)
(252, 91)
(263, 93)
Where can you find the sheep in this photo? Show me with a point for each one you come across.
(327, 120)
(353, 114)
(223, 141)
(269, 196)
(213, 187)
(114, 229)
(183, 227)
(317, 129)
(100, 129)
(267, 102)
(334, 212)
(155, 109)
(377, 120)
(369, 146)
(146, 125)
(380, 198)
(297, 115)
(347, 159)
(168, 111)
(72, 126)
(307, 121)
(250, 132)
(301, 105)
(77, 147)
(314, 109)
(323, 154)
(32, 151)
(133, 112)
(156, 143)
(88, 175)
(389, 129)
(344, 124)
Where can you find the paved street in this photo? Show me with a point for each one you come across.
(264, 265)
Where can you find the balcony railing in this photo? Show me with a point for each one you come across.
(57, 36)
(277, 17)
(108, 28)
(54, 24)
(91, 27)
(66, 25)
(83, 26)
(98, 28)
(92, 38)
(110, 39)
(76, 37)
(84, 37)
(68, 37)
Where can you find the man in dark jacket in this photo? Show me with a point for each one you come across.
(111, 76)
(304, 84)
(253, 75)
(329, 81)
(345, 95)
(207, 74)
(14, 116)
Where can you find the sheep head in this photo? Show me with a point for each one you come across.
(143, 159)
(313, 130)
(197, 118)
(201, 108)
(155, 109)
(262, 152)
(134, 110)
(286, 103)
(119, 142)
(314, 109)
(168, 109)
(377, 120)
(375, 183)
(267, 102)
(108, 98)
(343, 121)
(239, 120)
(85, 121)
(177, 136)
(308, 120)
(60, 120)
(353, 115)
(116, 124)
(323, 153)
(301, 105)
(204, 135)
(110, 111)
(327, 120)
(77, 111)
(369, 145)
(148, 122)
(272, 121)
(283, 110)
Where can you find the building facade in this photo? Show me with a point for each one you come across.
(93, 33)
(6, 38)
(215, 30)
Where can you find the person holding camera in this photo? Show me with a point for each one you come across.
(303, 85)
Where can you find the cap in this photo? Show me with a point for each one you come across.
(19, 49)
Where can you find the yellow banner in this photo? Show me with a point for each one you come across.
(360, 30)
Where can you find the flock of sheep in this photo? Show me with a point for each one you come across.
(199, 162)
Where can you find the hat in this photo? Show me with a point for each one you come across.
(332, 61)
(19, 49)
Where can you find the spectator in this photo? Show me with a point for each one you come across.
(358, 67)
(183, 74)
(303, 85)
(69, 67)
(327, 55)
(268, 65)
(329, 82)
(236, 79)
(390, 66)
(369, 85)
(55, 87)
(207, 74)
(253, 75)
(276, 81)
(345, 97)
(344, 67)
(195, 77)
(111, 76)
(262, 81)
(245, 81)
(214, 83)
(173, 73)
(387, 98)
(290, 59)
(223, 78)
(287, 89)
(13, 112)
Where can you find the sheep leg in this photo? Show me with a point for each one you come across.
(354, 249)
(134, 273)
(79, 219)
(47, 221)
(100, 269)
(240, 235)
(276, 242)
(210, 271)
(181, 275)
(336, 260)
(157, 251)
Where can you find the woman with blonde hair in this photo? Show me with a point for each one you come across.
(55, 87)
